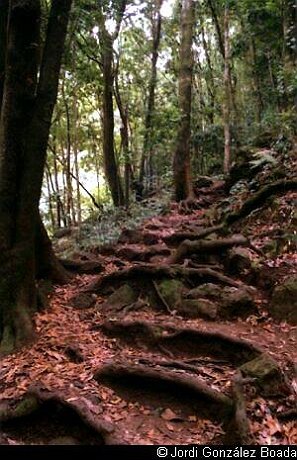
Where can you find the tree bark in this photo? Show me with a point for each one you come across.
(3, 38)
(69, 189)
(110, 163)
(227, 87)
(25, 124)
(124, 130)
(181, 165)
(106, 46)
(147, 154)
(76, 162)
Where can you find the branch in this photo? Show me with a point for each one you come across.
(89, 56)
(98, 206)
(217, 27)
(120, 15)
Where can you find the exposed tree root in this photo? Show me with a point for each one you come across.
(149, 271)
(187, 341)
(259, 198)
(212, 402)
(90, 267)
(38, 399)
(161, 298)
(189, 365)
(206, 247)
(142, 255)
(178, 237)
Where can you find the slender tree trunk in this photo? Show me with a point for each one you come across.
(106, 48)
(227, 86)
(50, 199)
(221, 38)
(210, 82)
(182, 160)
(76, 165)
(69, 194)
(59, 204)
(147, 154)
(3, 39)
(110, 163)
(123, 110)
(260, 104)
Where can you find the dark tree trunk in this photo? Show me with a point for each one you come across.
(17, 254)
(228, 89)
(47, 264)
(217, 25)
(110, 163)
(181, 166)
(3, 38)
(147, 154)
(25, 124)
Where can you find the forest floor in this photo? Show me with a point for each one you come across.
(168, 344)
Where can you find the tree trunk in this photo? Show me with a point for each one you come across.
(50, 198)
(47, 264)
(25, 125)
(110, 163)
(124, 130)
(181, 166)
(260, 105)
(3, 38)
(227, 87)
(69, 191)
(59, 205)
(147, 154)
(221, 38)
(210, 82)
(76, 163)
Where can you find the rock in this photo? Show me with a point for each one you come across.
(205, 290)
(150, 239)
(171, 291)
(121, 298)
(231, 301)
(197, 308)
(236, 302)
(284, 301)
(83, 301)
(238, 261)
(131, 236)
(266, 373)
(130, 253)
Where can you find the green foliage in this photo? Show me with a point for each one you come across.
(264, 79)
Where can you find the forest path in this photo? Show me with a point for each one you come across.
(165, 346)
